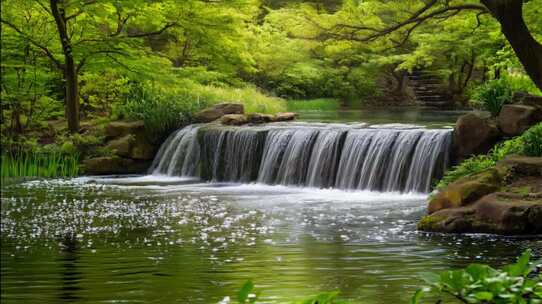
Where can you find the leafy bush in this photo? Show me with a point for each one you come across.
(532, 141)
(492, 95)
(165, 107)
(483, 284)
(529, 144)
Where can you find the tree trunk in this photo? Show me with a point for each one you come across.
(70, 72)
(510, 15)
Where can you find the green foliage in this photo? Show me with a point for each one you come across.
(529, 144)
(319, 104)
(492, 95)
(485, 285)
(324, 298)
(532, 141)
(25, 164)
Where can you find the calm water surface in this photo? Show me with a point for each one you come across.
(166, 240)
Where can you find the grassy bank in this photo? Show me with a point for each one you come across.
(319, 104)
(24, 164)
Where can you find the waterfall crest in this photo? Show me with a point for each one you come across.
(322, 156)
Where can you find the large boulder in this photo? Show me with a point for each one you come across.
(514, 119)
(474, 134)
(121, 146)
(501, 213)
(219, 110)
(467, 190)
(117, 129)
(113, 165)
(234, 119)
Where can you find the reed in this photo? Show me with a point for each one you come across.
(27, 164)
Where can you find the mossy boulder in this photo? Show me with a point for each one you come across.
(215, 112)
(499, 213)
(113, 165)
(118, 129)
(467, 190)
(122, 146)
(258, 118)
(234, 119)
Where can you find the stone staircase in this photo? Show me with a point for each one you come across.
(428, 90)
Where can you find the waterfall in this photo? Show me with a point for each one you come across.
(311, 155)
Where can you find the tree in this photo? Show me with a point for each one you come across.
(86, 30)
(508, 13)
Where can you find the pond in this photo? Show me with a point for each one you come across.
(165, 239)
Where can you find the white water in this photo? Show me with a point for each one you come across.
(387, 158)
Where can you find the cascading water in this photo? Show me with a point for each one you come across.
(322, 156)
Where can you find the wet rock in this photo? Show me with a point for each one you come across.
(117, 129)
(234, 119)
(122, 146)
(474, 134)
(514, 119)
(467, 190)
(142, 150)
(499, 213)
(219, 110)
(113, 165)
(286, 116)
(257, 118)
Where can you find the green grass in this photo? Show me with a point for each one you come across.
(319, 104)
(25, 164)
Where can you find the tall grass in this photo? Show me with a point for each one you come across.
(319, 104)
(25, 164)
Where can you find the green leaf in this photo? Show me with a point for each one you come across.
(247, 288)
(521, 267)
(417, 297)
(484, 296)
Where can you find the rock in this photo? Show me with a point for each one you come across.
(467, 190)
(474, 134)
(257, 118)
(122, 128)
(234, 119)
(499, 213)
(142, 150)
(113, 165)
(219, 110)
(122, 146)
(522, 165)
(514, 119)
(286, 116)
(527, 99)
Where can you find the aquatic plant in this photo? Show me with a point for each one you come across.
(478, 283)
(27, 164)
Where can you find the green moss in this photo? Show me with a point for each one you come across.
(430, 222)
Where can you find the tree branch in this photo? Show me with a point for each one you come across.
(45, 50)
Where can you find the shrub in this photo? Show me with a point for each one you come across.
(532, 141)
(485, 285)
(492, 95)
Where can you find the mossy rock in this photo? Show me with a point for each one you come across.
(122, 146)
(117, 129)
(467, 190)
(113, 165)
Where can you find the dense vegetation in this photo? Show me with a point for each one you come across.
(528, 144)
(70, 66)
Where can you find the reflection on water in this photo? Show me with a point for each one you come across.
(412, 115)
(155, 239)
